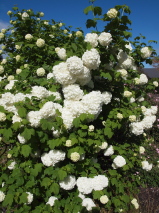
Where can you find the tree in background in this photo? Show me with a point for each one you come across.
(155, 62)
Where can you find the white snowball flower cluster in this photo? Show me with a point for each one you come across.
(2, 116)
(137, 128)
(73, 92)
(143, 79)
(88, 203)
(128, 63)
(12, 165)
(1, 69)
(61, 52)
(29, 197)
(109, 151)
(104, 199)
(104, 145)
(34, 118)
(105, 39)
(40, 42)
(39, 91)
(91, 59)
(17, 57)
(132, 118)
(4, 61)
(1, 35)
(155, 83)
(52, 157)
(135, 203)
(112, 13)
(68, 143)
(18, 71)
(86, 185)
(79, 33)
(68, 183)
(25, 16)
(146, 52)
(40, 72)
(127, 94)
(92, 38)
(75, 156)
(28, 36)
(21, 139)
(119, 116)
(75, 65)
(51, 200)
(91, 128)
(2, 196)
(119, 161)
(123, 73)
(141, 149)
(18, 47)
(146, 165)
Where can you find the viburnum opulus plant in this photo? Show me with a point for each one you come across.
(72, 114)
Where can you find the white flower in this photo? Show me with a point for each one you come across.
(34, 118)
(123, 73)
(137, 128)
(51, 200)
(107, 96)
(1, 69)
(4, 61)
(46, 22)
(25, 16)
(9, 12)
(40, 72)
(104, 145)
(99, 182)
(1, 35)
(75, 65)
(26, 65)
(109, 151)
(2, 196)
(18, 71)
(91, 59)
(155, 83)
(3, 30)
(28, 36)
(10, 77)
(12, 165)
(68, 183)
(41, 14)
(9, 155)
(73, 92)
(68, 143)
(62, 74)
(29, 197)
(112, 13)
(75, 156)
(88, 203)
(60, 24)
(146, 52)
(40, 92)
(104, 199)
(119, 116)
(84, 185)
(92, 38)
(17, 47)
(141, 149)
(105, 39)
(132, 118)
(143, 79)
(21, 139)
(81, 196)
(2, 116)
(40, 42)
(127, 94)
(119, 161)
(91, 128)
(79, 33)
(61, 53)
(53, 157)
(65, 31)
(135, 203)
(146, 165)
(17, 57)
(50, 75)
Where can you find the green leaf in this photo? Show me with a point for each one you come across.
(27, 133)
(88, 9)
(7, 133)
(97, 11)
(22, 112)
(74, 46)
(46, 182)
(55, 188)
(8, 200)
(108, 132)
(23, 198)
(91, 23)
(62, 174)
(25, 150)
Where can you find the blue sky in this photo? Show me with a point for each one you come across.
(144, 14)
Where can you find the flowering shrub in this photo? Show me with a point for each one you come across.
(72, 115)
